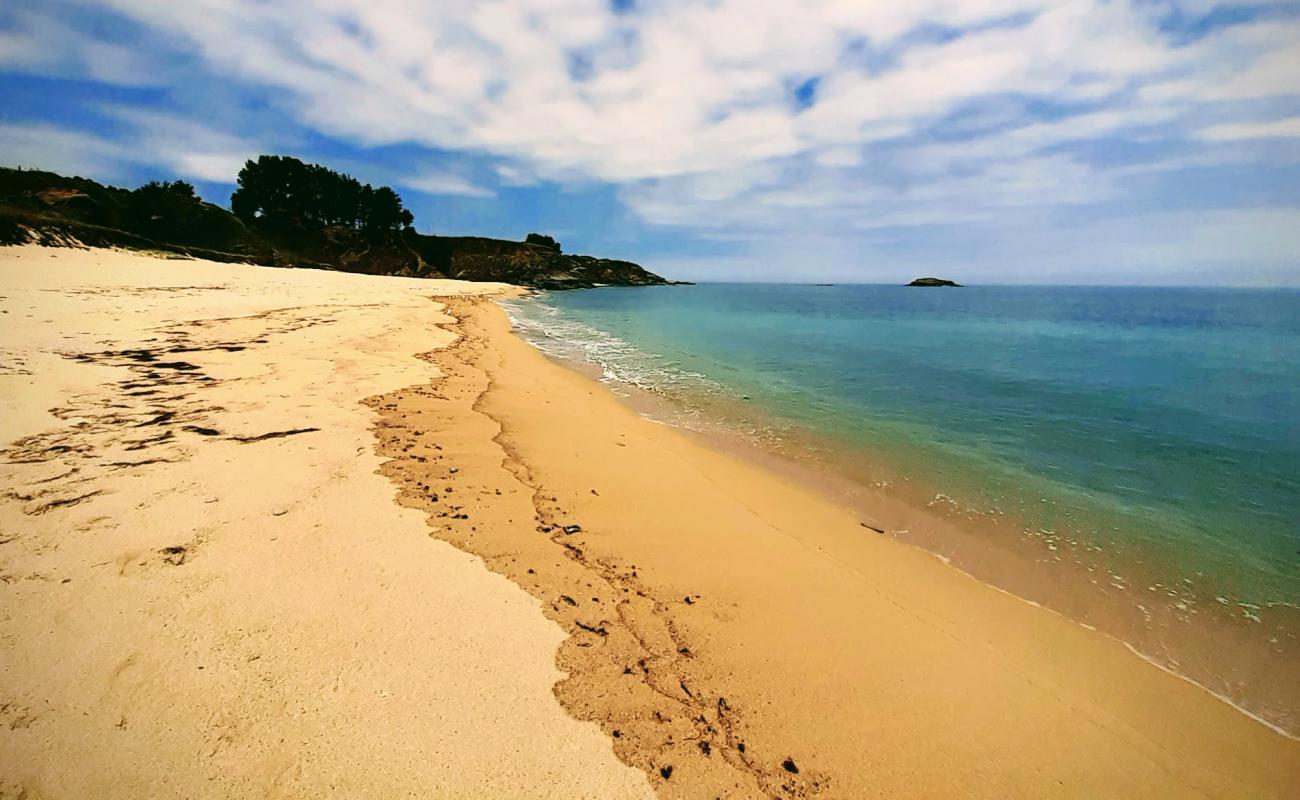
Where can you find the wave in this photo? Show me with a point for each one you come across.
(902, 457)
(619, 361)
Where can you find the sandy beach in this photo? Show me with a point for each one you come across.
(208, 592)
(300, 533)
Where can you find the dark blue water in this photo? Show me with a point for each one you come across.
(1164, 419)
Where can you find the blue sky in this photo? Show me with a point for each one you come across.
(1009, 141)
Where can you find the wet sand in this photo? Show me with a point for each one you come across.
(714, 604)
(1244, 653)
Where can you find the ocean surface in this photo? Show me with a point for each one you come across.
(1155, 431)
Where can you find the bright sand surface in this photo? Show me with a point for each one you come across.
(734, 633)
(305, 637)
(716, 602)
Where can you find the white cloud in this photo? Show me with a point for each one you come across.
(923, 113)
(52, 148)
(679, 87)
(190, 148)
(447, 183)
(805, 198)
(1276, 129)
(1246, 247)
(45, 46)
(187, 149)
(1271, 63)
(212, 167)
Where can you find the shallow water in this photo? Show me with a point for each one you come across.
(1154, 431)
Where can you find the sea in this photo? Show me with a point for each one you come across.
(1127, 457)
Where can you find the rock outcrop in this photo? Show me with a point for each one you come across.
(476, 258)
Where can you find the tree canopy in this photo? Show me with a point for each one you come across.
(543, 240)
(285, 194)
(167, 211)
(164, 189)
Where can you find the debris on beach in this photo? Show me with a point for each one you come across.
(174, 555)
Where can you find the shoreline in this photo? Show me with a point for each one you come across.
(1224, 648)
(1002, 553)
(231, 575)
(703, 547)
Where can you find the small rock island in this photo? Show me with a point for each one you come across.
(933, 282)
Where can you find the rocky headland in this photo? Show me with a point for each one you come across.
(38, 207)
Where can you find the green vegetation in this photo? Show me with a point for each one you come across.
(285, 213)
(172, 212)
(543, 240)
(43, 206)
(285, 195)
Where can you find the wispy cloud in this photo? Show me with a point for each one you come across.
(53, 148)
(42, 44)
(660, 93)
(1277, 129)
(186, 148)
(444, 183)
(728, 119)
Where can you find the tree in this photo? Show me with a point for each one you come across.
(180, 188)
(265, 192)
(286, 195)
(165, 211)
(384, 210)
(543, 240)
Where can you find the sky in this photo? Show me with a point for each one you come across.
(991, 141)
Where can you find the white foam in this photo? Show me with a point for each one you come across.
(548, 330)
(619, 361)
(1209, 691)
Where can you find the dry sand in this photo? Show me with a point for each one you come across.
(251, 616)
(199, 602)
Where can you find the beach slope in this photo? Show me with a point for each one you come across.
(296, 533)
(741, 635)
(208, 592)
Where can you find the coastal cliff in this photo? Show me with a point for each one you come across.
(45, 208)
(475, 258)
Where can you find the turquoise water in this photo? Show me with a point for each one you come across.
(1163, 421)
